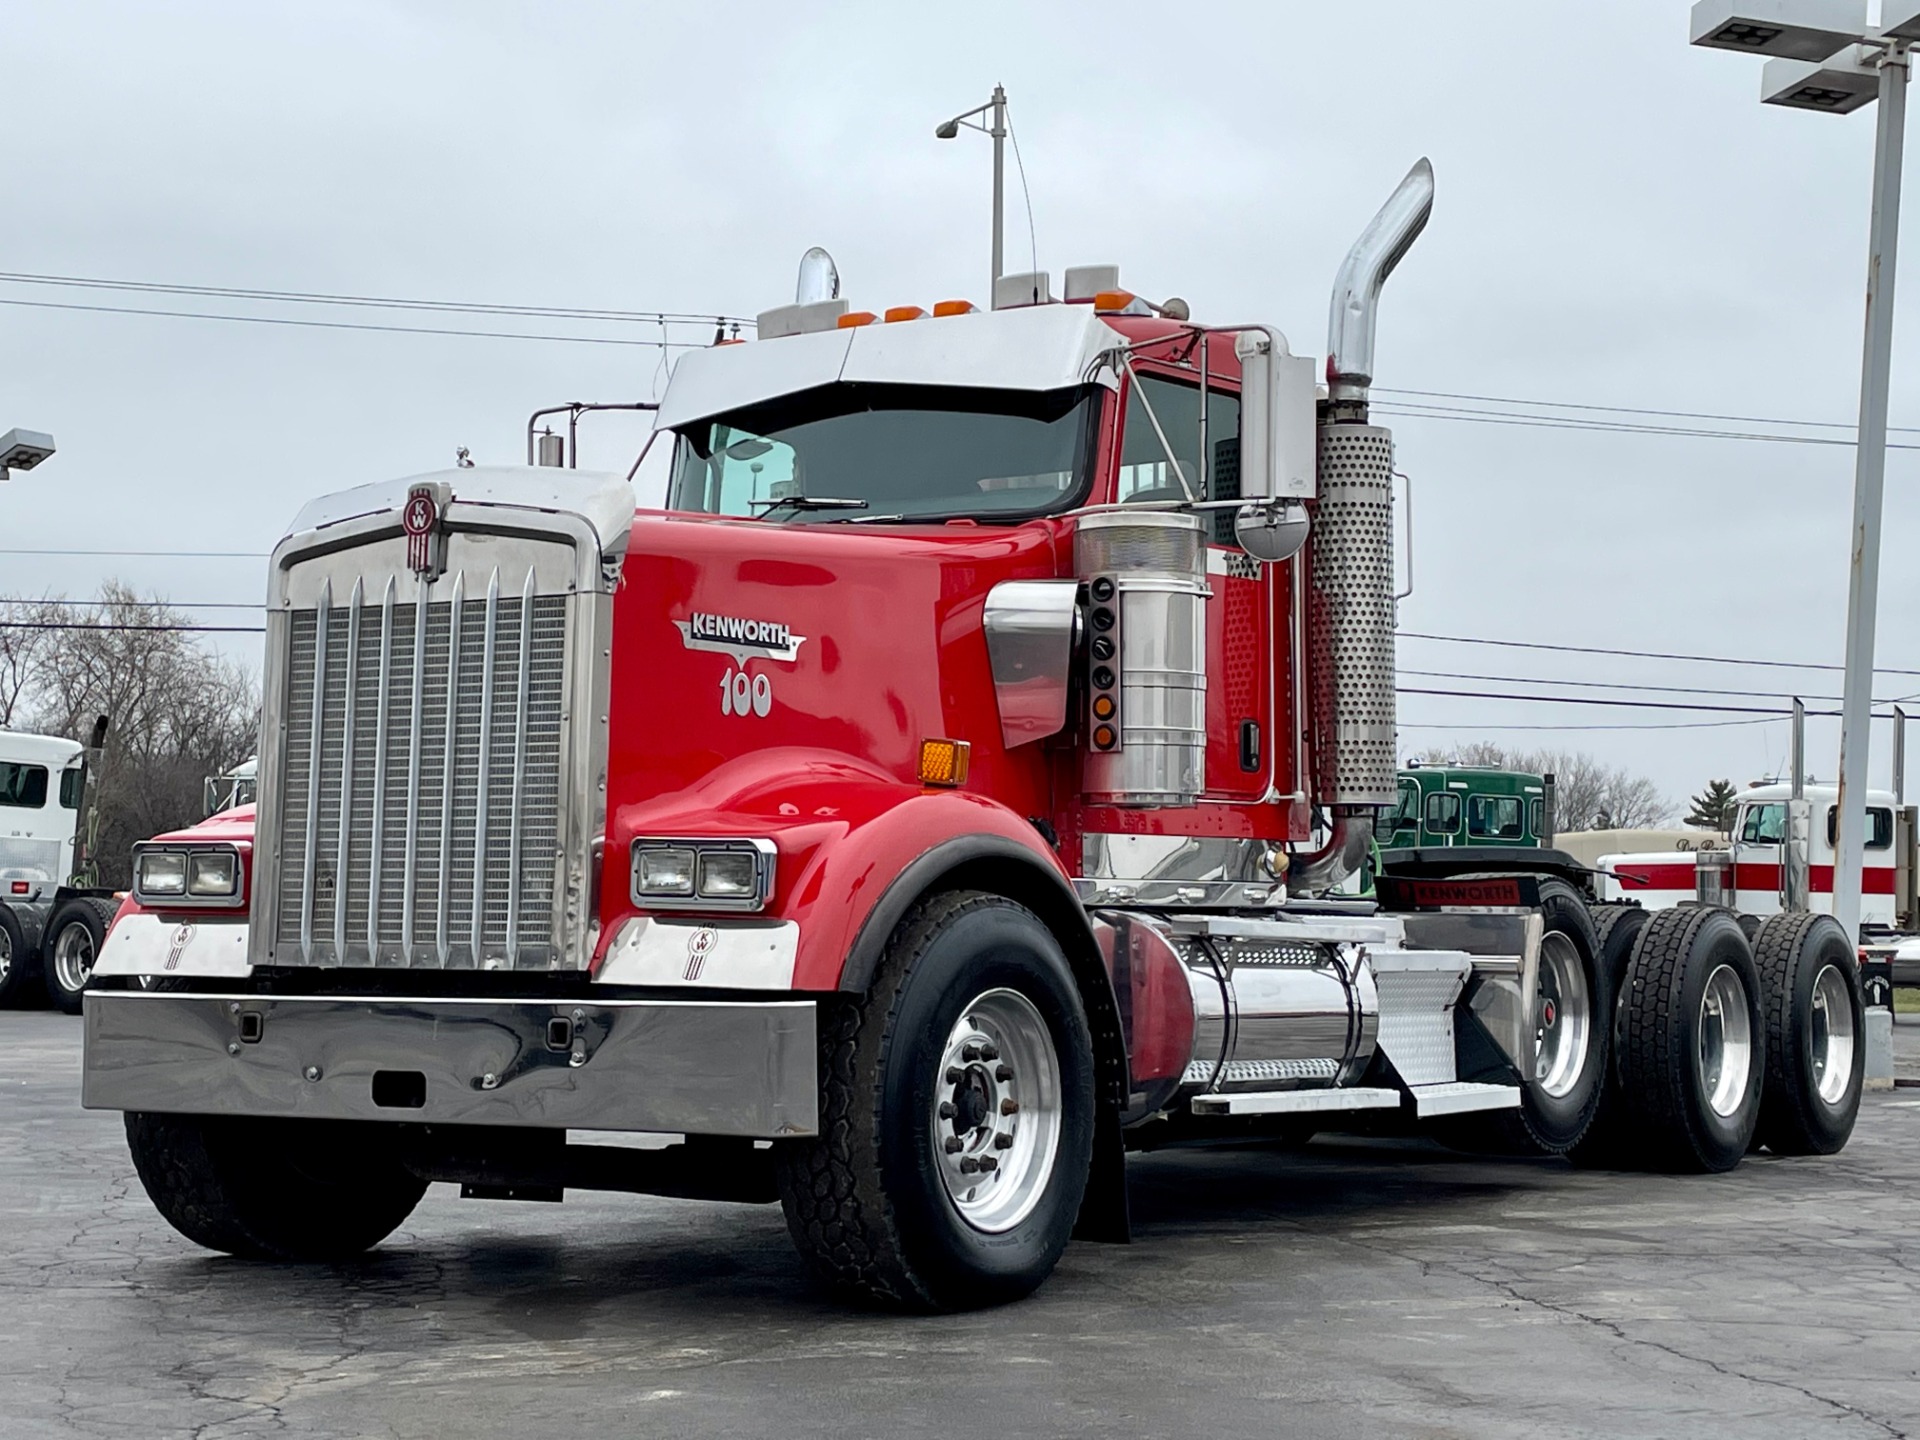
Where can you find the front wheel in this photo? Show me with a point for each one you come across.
(304, 1190)
(956, 1115)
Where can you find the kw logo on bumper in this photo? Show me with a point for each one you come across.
(699, 944)
(743, 639)
(181, 937)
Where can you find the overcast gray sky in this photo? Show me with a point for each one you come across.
(1619, 222)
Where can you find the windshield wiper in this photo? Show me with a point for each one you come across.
(811, 502)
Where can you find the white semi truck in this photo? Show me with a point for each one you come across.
(52, 924)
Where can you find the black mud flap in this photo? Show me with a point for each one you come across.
(1105, 1217)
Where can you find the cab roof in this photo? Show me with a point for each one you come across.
(52, 751)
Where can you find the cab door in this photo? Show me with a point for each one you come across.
(1246, 760)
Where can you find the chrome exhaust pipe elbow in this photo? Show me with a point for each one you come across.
(1343, 854)
(1356, 289)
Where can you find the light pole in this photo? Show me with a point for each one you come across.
(23, 449)
(996, 126)
(1826, 57)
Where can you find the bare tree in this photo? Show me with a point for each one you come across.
(178, 713)
(24, 638)
(1588, 794)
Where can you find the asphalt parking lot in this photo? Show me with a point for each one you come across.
(1348, 1289)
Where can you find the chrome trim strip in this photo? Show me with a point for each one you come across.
(409, 888)
(703, 1067)
(478, 905)
(445, 906)
(380, 776)
(320, 619)
(519, 772)
(346, 780)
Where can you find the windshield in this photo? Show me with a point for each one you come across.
(868, 452)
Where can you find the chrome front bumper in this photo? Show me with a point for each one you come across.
(694, 1067)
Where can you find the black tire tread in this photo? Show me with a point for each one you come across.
(1651, 1034)
(194, 1179)
(1607, 1143)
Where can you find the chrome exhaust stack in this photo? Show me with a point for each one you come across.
(1352, 614)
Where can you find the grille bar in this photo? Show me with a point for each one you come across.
(413, 772)
(477, 906)
(519, 771)
(446, 770)
(312, 852)
(380, 775)
(346, 773)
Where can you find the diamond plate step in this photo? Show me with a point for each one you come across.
(1296, 1102)
(1458, 1096)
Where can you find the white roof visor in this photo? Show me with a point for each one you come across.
(1041, 348)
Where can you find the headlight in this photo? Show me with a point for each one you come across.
(179, 875)
(676, 874)
(665, 871)
(213, 874)
(160, 872)
(729, 874)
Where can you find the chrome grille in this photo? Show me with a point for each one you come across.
(418, 814)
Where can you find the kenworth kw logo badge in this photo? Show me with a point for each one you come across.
(426, 540)
(744, 640)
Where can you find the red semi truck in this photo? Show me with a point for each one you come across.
(942, 796)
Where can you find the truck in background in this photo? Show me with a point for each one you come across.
(53, 919)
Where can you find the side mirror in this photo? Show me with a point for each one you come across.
(1271, 530)
(1278, 429)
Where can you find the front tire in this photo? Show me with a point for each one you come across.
(1816, 1033)
(300, 1190)
(956, 1115)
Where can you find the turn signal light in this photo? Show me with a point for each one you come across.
(944, 762)
(854, 319)
(1103, 707)
(1103, 737)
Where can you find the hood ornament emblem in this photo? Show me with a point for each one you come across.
(422, 519)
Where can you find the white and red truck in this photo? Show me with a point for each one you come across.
(945, 794)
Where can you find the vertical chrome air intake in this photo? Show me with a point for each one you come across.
(1145, 573)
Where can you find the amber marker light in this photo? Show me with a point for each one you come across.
(944, 762)
(896, 313)
(1103, 707)
(1108, 301)
(854, 319)
(955, 307)
(1103, 737)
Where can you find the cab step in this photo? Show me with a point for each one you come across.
(1296, 1102)
(1457, 1096)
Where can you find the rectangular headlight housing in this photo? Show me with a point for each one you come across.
(173, 876)
(688, 874)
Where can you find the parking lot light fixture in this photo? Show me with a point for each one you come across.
(23, 449)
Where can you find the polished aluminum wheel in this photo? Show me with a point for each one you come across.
(6, 954)
(997, 1111)
(1563, 1017)
(1831, 1043)
(1726, 1040)
(73, 957)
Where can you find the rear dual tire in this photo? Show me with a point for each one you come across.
(75, 934)
(1816, 1033)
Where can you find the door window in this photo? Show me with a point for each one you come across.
(1879, 826)
(1537, 818)
(23, 786)
(1443, 812)
(1145, 474)
(1493, 817)
(1764, 825)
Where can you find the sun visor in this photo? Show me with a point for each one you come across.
(726, 377)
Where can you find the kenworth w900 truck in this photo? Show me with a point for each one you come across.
(801, 818)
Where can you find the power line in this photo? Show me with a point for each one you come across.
(1608, 427)
(62, 603)
(355, 325)
(1650, 725)
(146, 554)
(1626, 685)
(314, 297)
(1639, 654)
(118, 625)
(1636, 410)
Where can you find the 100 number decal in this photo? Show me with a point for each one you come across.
(744, 694)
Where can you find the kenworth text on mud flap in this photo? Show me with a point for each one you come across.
(53, 919)
(811, 819)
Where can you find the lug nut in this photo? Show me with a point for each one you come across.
(955, 1075)
(1003, 1142)
(989, 1052)
(971, 1166)
(970, 1051)
(954, 1145)
(988, 1163)
(1003, 1073)
(946, 1110)
(1009, 1107)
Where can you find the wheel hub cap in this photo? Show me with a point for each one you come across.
(1830, 1043)
(997, 1111)
(1566, 1014)
(1726, 1041)
(73, 957)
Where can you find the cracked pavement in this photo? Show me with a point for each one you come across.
(1355, 1288)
